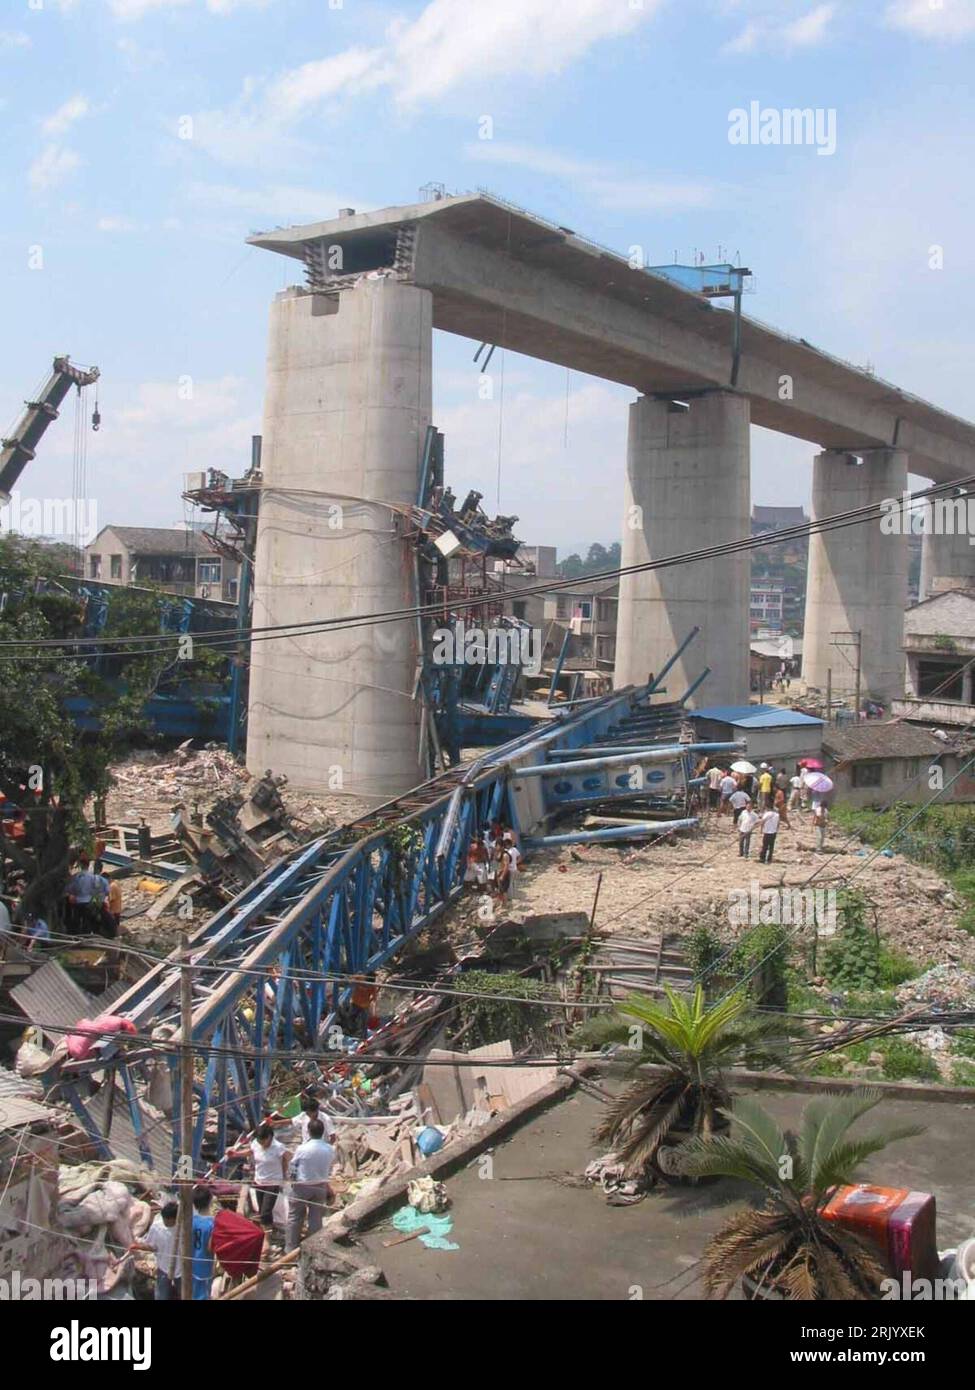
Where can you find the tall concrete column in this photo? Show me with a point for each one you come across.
(348, 402)
(946, 557)
(857, 580)
(687, 488)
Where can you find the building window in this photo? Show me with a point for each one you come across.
(116, 561)
(518, 608)
(867, 774)
(94, 567)
(585, 610)
(209, 572)
(232, 590)
(912, 769)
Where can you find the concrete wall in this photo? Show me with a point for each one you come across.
(347, 406)
(782, 746)
(857, 578)
(687, 487)
(900, 781)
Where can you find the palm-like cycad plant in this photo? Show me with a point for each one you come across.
(693, 1042)
(788, 1245)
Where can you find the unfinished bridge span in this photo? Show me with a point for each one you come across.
(348, 400)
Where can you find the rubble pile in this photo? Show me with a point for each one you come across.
(98, 1205)
(944, 986)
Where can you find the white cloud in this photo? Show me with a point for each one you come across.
(51, 167)
(952, 19)
(302, 88)
(449, 45)
(452, 41)
(116, 224)
(65, 116)
(11, 39)
(613, 190)
(769, 28)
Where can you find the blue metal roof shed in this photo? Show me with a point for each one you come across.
(781, 735)
(754, 716)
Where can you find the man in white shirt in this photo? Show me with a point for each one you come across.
(770, 828)
(311, 1168)
(312, 1110)
(514, 861)
(728, 787)
(795, 795)
(160, 1239)
(738, 801)
(747, 821)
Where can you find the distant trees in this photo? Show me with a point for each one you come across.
(598, 558)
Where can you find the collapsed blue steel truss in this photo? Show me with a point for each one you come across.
(342, 905)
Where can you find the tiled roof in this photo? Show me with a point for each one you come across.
(882, 739)
(160, 540)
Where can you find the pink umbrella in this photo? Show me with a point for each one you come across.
(819, 784)
(812, 763)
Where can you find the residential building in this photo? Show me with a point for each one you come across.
(876, 762)
(772, 734)
(179, 561)
(588, 611)
(766, 608)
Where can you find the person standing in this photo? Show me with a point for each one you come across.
(202, 1265)
(477, 862)
(160, 1240)
(747, 821)
(270, 1159)
(514, 862)
(728, 788)
(779, 805)
(770, 828)
(311, 1109)
(820, 822)
(738, 801)
(795, 795)
(765, 786)
(82, 888)
(715, 778)
(311, 1169)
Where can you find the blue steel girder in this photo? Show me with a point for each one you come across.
(336, 907)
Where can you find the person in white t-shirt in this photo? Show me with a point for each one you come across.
(310, 1170)
(270, 1159)
(160, 1239)
(747, 821)
(770, 828)
(715, 778)
(312, 1110)
(514, 862)
(728, 788)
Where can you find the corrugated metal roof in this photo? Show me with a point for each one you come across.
(15, 1112)
(52, 1000)
(755, 716)
(25, 1087)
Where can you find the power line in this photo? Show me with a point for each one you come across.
(230, 636)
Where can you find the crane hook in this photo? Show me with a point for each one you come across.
(96, 417)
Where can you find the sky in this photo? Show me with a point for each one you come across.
(143, 140)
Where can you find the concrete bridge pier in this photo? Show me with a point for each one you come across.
(687, 488)
(857, 580)
(948, 557)
(347, 405)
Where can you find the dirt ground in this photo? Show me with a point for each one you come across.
(671, 886)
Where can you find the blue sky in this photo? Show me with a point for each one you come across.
(144, 139)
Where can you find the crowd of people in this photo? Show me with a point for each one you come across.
(761, 801)
(289, 1179)
(494, 861)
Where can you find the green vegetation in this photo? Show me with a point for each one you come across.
(902, 1060)
(787, 1244)
(45, 764)
(493, 1020)
(598, 558)
(851, 959)
(692, 1042)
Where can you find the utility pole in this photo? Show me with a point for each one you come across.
(829, 694)
(856, 698)
(185, 1241)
